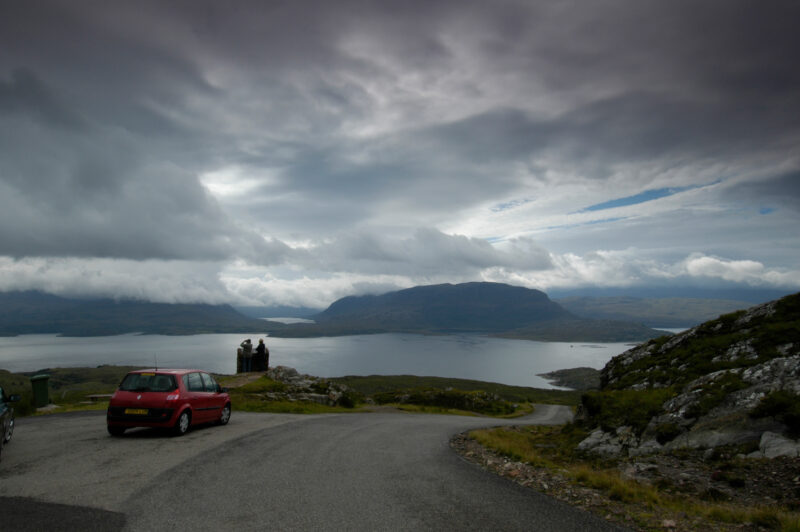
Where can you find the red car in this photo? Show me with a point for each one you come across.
(170, 398)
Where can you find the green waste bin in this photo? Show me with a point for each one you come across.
(41, 395)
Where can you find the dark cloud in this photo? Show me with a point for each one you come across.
(345, 127)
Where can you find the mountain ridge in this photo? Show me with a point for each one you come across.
(496, 309)
(468, 308)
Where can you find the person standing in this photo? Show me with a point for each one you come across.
(247, 356)
(263, 353)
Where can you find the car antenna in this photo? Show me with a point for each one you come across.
(155, 358)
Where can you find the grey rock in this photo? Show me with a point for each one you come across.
(646, 447)
(773, 445)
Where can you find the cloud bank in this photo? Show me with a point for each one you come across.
(295, 153)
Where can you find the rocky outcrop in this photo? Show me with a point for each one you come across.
(301, 387)
(719, 373)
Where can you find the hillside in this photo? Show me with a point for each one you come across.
(37, 313)
(673, 312)
(476, 308)
(484, 307)
(734, 380)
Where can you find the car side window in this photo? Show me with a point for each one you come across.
(195, 382)
(209, 382)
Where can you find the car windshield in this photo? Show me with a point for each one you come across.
(148, 382)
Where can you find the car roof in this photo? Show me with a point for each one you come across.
(165, 370)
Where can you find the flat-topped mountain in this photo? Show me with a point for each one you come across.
(473, 307)
(480, 308)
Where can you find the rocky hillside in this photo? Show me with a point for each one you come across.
(734, 381)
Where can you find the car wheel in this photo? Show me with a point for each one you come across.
(225, 415)
(116, 431)
(182, 425)
(9, 432)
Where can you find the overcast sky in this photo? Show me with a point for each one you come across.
(296, 152)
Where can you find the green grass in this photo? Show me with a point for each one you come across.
(374, 384)
(620, 408)
(249, 403)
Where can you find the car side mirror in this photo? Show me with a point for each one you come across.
(14, 398)
(220, 389)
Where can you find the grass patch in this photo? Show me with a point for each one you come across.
(472, 401)
(374, 384)
(250, 403)
(618, 408)
(262, 385)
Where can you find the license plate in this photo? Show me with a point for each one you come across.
(136, 411)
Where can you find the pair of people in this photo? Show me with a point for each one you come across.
(257, 362)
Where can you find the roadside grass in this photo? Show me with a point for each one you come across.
(554, 448)
(253, 403)
(373, 384)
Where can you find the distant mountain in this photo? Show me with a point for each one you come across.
(484, 308)
(475, 308)
(472, 307)
(278, 311)
(35, 312)
(653, 312)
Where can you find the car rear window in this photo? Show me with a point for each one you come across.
(148, 382)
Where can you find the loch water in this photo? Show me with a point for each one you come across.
(514, 362)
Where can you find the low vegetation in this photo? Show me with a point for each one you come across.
(620, 408)
(376, 384)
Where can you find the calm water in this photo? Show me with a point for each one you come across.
(513, 362)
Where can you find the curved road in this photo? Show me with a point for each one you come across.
(375, 471)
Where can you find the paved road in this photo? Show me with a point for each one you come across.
(380, 471)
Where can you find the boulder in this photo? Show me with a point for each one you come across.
(773, 445)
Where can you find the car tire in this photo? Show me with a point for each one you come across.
(182, 423)
(116, 431)
(9, 432)
(225, 415)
